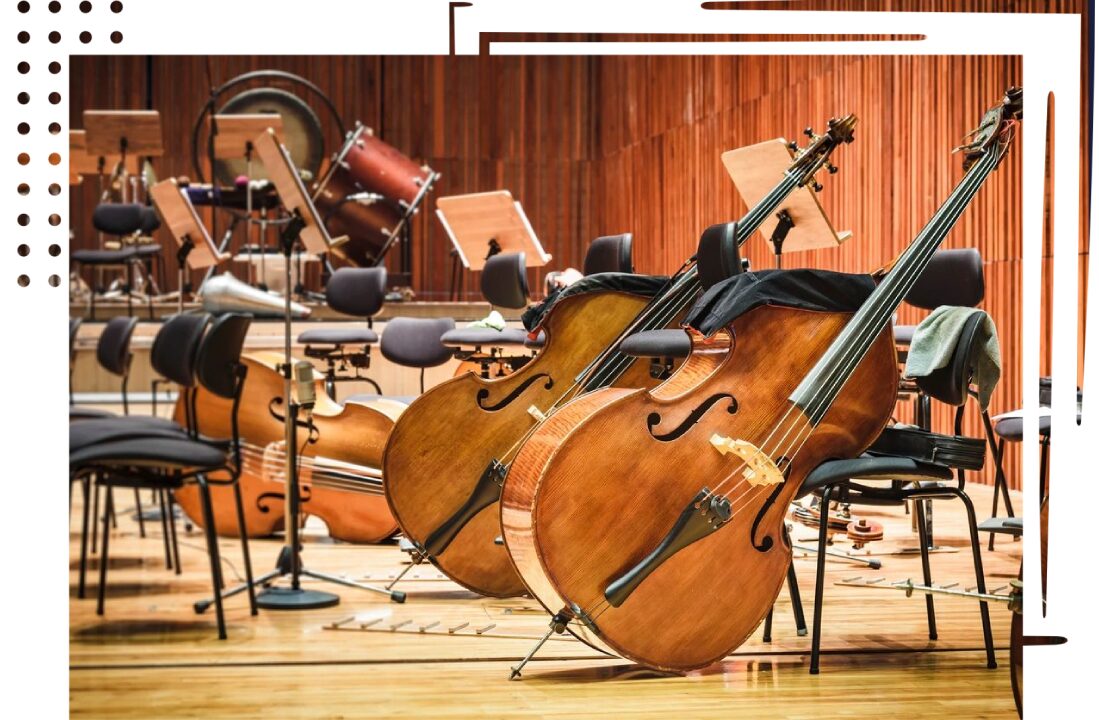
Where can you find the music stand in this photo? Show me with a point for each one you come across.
(125, 133)
(197, 250)
(306, 228)
(235, 138)
(799, 224)
(481, 225)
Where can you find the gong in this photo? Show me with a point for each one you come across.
(302, 133)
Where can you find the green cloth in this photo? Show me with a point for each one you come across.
(936, 337)
(494, 320)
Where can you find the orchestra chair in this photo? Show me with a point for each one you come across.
(112, 353)
(167, 462)
(907, 479)
(610, 253)
(74, 328)
(172, 357)
(414, 343)
(503, 285)
(123, 220)
(358, 292)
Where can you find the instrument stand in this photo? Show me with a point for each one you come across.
(196, 250)
(778, 236)
(181, 258)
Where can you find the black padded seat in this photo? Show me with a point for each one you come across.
(414, 342)
(158, 452)
(902, 334)
(869, 467)
(364, 398)
(484, 337)
(1011, 428)
(79, 413)
(103, 257)
(338, 336)
(669, 343)
(110, 429)
(146, 250)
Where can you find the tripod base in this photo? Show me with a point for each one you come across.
(284, 598)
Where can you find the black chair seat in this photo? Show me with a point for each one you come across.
(537, 341)
(1003, 525)
(111, 429)
(338, 336)
(1011, 428)
(364, 398)
(657, 343)
(902, 334)
(103, 257)
(158, 452)
(484, 337)
(869, 467)
(77, 412)
(146, 249)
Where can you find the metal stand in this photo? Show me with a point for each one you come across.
(289, 563)
(785, 223)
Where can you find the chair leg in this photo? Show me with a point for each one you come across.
(164, 528)
(921, 525)
(978, 569)
(103, 558)
(767, 625)
(795, 600)
(110, 508)
(171, 502)
(140, 519)
(244, 549)
(85, 484)
(212, 549)
(818, 595)
(95, 514)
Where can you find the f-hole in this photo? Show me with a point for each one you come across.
(482, 394)
(654, 418)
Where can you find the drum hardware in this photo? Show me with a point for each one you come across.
(432, 626)
(338, 160)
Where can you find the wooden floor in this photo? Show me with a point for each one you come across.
(151, 656)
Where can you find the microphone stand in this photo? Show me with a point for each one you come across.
(289, 563)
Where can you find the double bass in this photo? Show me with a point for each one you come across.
(449, 453)
(341, 482)
(649, 523)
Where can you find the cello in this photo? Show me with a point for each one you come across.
(340, 480)
(650, 523)
(450, 451)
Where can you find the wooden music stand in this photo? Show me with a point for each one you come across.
(236, 134)
(481, 225)
(196, 248)
(280, 170)
(799, 223)
(123, 132)
(82, 163)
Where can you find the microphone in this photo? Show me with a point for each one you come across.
(303, 381)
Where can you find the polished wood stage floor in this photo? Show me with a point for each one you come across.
(150, 656)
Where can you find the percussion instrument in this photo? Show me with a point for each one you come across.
(380, 168)
(302, 133)
(677, 564)
(449, 454)
(340, 480)
(367, 222)
(235, 197)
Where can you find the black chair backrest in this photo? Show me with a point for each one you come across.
(119, 218)
(610, 253)
(113, 349)
(219, 354)
(357, 291)
(718, 254)
(150, 221)
(950, 383)
(176, 346)
(504, 280)
(414, 342)
(953, 277)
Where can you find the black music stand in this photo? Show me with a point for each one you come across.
(197, 250)
(799, 224)
(304, 228)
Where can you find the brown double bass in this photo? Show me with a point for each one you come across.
(341, 482)
(450, 451)
(650, 522)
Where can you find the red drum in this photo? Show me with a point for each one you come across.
(366, 223)
(381, 168)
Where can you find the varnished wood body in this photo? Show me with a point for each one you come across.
(592, 493)
(350, 433)
(446, 438)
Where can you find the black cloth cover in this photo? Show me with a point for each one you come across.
(644, 285)
(803, 289)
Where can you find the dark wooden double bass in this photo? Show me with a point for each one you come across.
(340, 477)
(650, 522)
(448, 456)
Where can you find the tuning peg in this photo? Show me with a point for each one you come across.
(817, 186)
(792, 145)
(832, 169)
(808, 132)
(832, 122)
